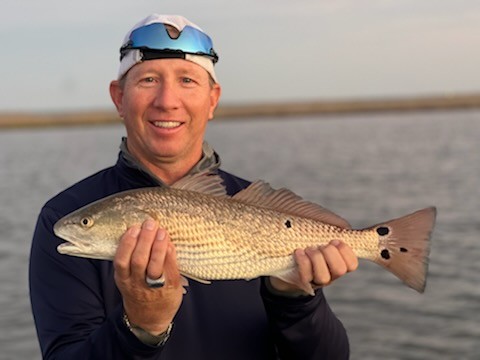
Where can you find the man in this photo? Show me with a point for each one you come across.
(134, 308)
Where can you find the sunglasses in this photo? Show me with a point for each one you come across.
(155, 37)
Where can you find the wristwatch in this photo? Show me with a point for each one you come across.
(147, 338)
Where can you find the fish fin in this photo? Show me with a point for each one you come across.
(261, 194)
(404, 246)
(291, 276)
(184, 283)
(202, 281)
(205, 182)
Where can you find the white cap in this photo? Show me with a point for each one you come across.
(134, 56)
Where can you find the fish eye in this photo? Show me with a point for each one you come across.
(86, 222)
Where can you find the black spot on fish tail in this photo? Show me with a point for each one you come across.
(288, 224)
(405, 250)
(383, 230)
(385, 254)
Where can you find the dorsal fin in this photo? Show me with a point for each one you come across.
(205, 182)
(263, 195)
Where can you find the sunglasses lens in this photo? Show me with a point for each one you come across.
(156, 37)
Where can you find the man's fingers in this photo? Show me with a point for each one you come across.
(320, 271)
(351, 260)
(170, 267)
(334, 260)
(123, 255)
(324, 264)
(304, 266)
(146, 252)
(157, 255)
(141, 253)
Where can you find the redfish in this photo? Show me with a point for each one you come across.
(251, 234)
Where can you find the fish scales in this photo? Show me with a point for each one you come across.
(219, 242)
(253, 234)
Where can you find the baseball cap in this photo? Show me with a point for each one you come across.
(149, 39)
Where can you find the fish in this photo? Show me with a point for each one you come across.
(251, 234)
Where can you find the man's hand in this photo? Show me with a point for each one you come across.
(319, 267)
(142, 252)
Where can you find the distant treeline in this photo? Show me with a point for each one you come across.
(226, 111)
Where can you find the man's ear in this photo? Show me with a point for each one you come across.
(116, 93)
(215, 93)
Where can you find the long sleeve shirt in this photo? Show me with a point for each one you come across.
(79, 315)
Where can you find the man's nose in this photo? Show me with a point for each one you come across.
(167, 96)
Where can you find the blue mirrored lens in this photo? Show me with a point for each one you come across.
(155, 37)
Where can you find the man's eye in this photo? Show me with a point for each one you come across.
(148, 80)
(187, 80)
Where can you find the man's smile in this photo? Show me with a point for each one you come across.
(167, 124)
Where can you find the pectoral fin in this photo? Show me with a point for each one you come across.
(291, 276)
(202, 281)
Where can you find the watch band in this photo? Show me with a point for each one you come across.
(147, 338)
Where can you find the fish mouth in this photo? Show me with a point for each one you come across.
(78, 247)
(68, 248)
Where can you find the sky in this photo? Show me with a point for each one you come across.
(59, 55)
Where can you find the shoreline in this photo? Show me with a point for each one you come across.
(270, 109)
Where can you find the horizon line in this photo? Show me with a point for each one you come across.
(19, 119)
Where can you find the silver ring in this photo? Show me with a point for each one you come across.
(155, 283)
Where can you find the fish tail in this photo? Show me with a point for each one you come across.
(404, 246)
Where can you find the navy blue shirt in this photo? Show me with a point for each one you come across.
(78, 309)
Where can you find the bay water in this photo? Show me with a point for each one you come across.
(365, 167)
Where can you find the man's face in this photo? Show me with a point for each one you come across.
(166, 104)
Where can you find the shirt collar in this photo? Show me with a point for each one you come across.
(210, 161)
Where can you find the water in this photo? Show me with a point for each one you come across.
(367, 168)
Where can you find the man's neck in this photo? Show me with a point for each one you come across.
(169, 172)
